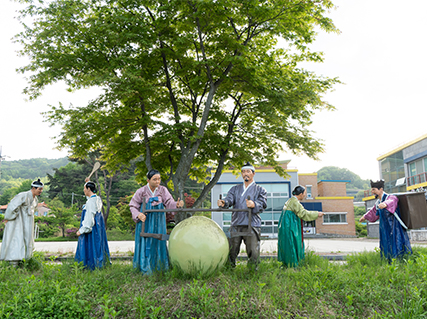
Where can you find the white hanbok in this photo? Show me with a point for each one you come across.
(18, 236)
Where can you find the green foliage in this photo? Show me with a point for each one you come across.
(30, 168)
(24, 186)
(361, 230)
(359, 211)
(126, 215)
(64, 217)
(67, 183)
(48, 226)
(366, 286)
(116, 234)
(188, 84)
(115, 220)
(336, 173)
(7, 195)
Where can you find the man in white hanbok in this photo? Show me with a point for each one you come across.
(18, 236)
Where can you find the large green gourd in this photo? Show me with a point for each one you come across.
(198, 244)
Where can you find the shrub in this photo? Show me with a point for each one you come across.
(71, 232)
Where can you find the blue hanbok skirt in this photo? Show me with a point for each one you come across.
(151, 254)
(394, 240)
(92, 248)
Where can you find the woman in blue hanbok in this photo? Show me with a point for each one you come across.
(394, 240)
(92, 246)
(151, 254)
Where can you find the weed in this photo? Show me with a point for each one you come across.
(366, 286)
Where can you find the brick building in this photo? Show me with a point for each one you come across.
(330, 197)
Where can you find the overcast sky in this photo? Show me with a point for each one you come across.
(380, 56)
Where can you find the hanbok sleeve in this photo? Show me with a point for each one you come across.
(89, 220)
(371, 215)
(167, 199)
(135, 204)
(302, 213)
(260, 201)
(13, 207)
(231, 197)
(392, 202)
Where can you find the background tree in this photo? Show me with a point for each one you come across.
(7, 195)
(30, 168)
(24, 186)
(336, 173)
(67, 182)
(188, 84)
(124, 212)
(64, 217)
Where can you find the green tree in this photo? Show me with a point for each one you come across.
(337, 173)
(188, 84)
(30, 168)
(7, 195)
(25, 186)
(63, 216)
(126, 215)
(67, 182)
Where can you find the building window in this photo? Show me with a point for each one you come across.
(335, 218)
(412, 169)
(308, 189)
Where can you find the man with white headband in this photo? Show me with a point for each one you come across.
(238, 198)
(18, 236)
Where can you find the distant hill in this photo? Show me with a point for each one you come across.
(337, 173)
(30, 168)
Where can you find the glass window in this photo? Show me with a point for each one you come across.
(335, 218)
(278, 203)
(308, 189)
(266, 229)
(267, 187)
(269, 204)
(279, 188)
(225, 188)
(276, 215)
(266, 216)
(425, 164)
(412, 169)
(226, 216)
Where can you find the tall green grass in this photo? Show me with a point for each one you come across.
(366, 286)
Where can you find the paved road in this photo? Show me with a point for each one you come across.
(321, 246)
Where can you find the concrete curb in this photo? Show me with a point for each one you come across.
(263, 257)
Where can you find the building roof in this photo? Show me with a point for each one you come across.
(401, 147)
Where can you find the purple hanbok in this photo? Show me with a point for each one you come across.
(394, 240)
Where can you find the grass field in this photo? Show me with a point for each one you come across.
(364, 287)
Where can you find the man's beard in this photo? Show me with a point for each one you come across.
(376, 196)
